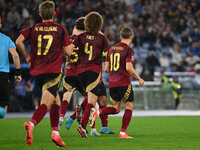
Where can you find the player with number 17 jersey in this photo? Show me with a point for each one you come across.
(47, 42)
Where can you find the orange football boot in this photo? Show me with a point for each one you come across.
(124, 136)
(57, 140)
(29, 133)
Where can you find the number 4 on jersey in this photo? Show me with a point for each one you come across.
(88, 50)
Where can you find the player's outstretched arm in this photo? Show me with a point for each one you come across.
(131, 71)
(68, 49)
(16, 61)
(20, 45)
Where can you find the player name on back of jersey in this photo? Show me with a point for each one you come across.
(51, 28)
(117, 48)
(90, 37)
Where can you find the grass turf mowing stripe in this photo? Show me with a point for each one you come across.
(149, 133)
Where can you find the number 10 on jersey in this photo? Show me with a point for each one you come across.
(114, 61)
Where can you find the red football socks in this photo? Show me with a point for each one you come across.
(107, 110)
(39, 114)
(86, 114)
(54, 117)
(63, 108)
(104, 119)
(126, 119)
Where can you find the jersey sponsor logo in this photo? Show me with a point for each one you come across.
(51, 28)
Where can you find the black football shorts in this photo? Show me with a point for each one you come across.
(71, 84)
(102, 89)
(90, 81)
(124, 94)
(49, 81)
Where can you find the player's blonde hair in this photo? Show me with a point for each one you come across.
(47, 9)
(93, 23)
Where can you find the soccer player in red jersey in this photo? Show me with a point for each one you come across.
(91, 44)
(119, 64)
(71, 83)
(48, 40)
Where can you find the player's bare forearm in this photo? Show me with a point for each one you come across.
(106, 66)
(67, 65)
(132, 72)
(20, 45)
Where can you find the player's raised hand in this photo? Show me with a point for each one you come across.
(18, 79)
(141, 81)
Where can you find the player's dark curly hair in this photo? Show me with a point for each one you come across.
(46, 9)
(126, 33)
(93, 23)
(80, 23)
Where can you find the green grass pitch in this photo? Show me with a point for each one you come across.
(150, 133)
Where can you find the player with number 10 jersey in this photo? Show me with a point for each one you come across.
(118, 56)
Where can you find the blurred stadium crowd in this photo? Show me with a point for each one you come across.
(167, 32)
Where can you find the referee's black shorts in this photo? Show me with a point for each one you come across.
(4, 89)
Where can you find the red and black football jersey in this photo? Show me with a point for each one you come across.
(73, 59)
(90, 51)
(47, 42)
(117, 57)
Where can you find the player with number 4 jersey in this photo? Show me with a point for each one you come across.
(91, 44)
(71, 83)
